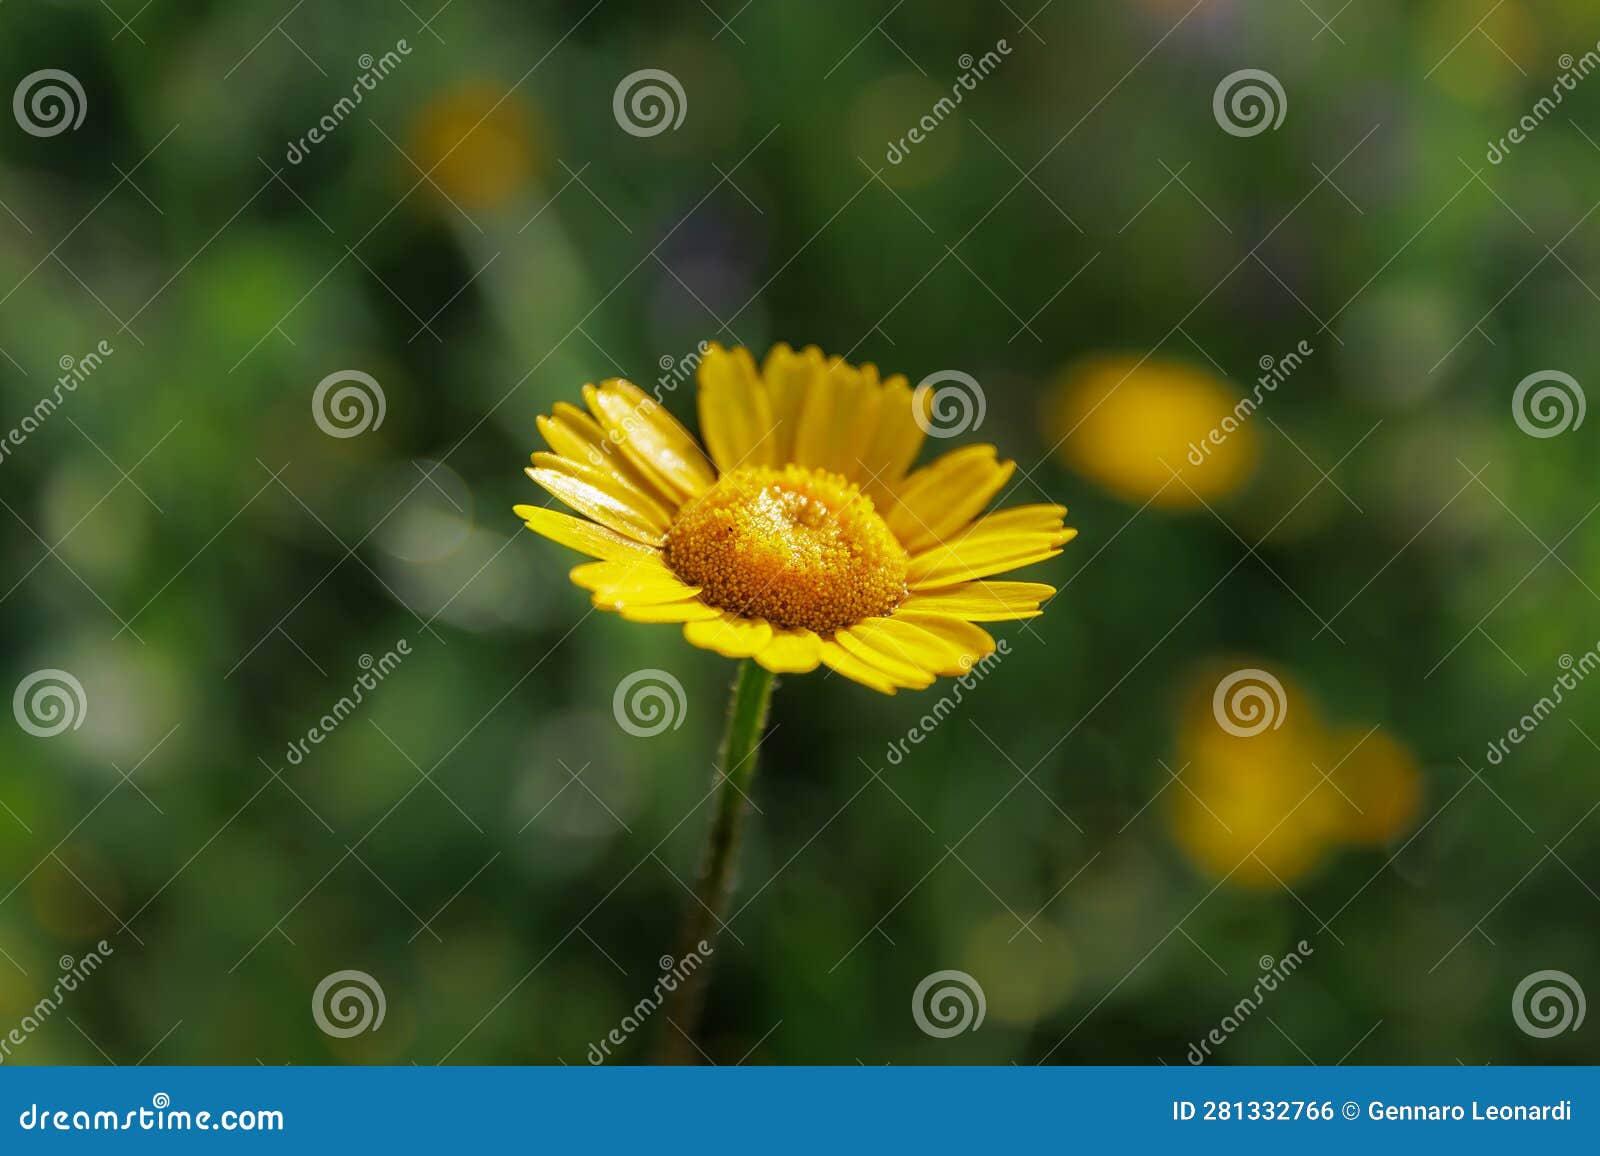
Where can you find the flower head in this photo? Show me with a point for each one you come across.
(800, 536)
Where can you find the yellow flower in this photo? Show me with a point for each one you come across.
(805, 537)
(1378, 776)
(478, 142)
(1129, 425)
(1266, 807)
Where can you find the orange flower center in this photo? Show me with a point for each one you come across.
(798, 547)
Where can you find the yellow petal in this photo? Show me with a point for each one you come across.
(836, 657)
(788, 376)
(651, 437)
(791, 652)
(938, 501)
(837, 419)
(643, 583)
(603, 497)
(925, 641)
(881, 654)
(894, 444)
(1002, 541)
(962, 642)
(943, 570)
(731, 635)
(982, 601)
(574, 434)
(735, 413)
(586, 537)
(691, 610)
(1039, 517)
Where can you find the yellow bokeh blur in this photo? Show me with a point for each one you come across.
(1378, 776)
(1129, 424)
(1256, 809)
(1027, 973)
(479, 143)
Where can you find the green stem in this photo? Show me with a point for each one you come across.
(697, 936)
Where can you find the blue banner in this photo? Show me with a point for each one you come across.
(714, 1110)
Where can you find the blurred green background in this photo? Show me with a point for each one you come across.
(482, 237)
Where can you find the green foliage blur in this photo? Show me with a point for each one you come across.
(481, 237)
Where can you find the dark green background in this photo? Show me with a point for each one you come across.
(257, 559)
